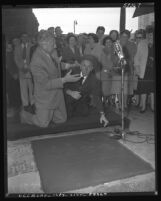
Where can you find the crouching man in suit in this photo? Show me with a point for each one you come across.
(78, 94)
(48, 85)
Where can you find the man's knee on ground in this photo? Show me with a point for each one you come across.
(60, 117)
(43, 123)
(61, 120)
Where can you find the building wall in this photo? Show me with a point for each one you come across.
(17, 21)
(145, 20)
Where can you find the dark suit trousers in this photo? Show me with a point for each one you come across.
(13, 91)
(77, 107)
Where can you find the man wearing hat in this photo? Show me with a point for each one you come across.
(77, 95)
(60, 41)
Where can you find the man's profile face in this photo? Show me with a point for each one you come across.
(86, 67)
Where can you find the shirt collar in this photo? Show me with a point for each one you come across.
(23, 45)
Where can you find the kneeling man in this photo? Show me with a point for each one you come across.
(48, 85)
(78, 95)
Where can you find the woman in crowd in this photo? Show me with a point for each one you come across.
(108, 61)
(116, 79)
(129, 49)
(144, 64)
(100, 33)
(114, 34)
(95, 49)
(81, 43)
(139, 36)
(71, 54)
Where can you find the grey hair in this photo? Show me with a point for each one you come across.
(44, 36)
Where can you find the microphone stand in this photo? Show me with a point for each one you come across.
(122, 100)
(118, 50)
(120, 134)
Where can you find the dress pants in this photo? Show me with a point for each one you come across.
(77, 107)
(13, 91)
(26, 89)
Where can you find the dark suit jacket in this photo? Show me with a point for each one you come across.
(91, 86)
(10, 63)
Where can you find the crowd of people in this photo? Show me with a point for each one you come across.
(53, 77)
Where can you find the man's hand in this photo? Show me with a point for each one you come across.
(68, 66)
(76, 95)
(71, 78)
(104, 120)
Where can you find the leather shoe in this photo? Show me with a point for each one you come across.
(142, 111)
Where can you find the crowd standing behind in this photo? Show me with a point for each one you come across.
(62, 60)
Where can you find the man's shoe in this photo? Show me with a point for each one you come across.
(142, 111)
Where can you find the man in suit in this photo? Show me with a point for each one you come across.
(22, 60)
(51, 30)
(60, 41)
(77, 95)
(48, 85)
(12, 81)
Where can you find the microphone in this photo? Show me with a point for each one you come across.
(118, 50)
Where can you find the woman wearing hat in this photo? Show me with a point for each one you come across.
(144, 65)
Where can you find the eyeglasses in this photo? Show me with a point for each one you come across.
(139, 37)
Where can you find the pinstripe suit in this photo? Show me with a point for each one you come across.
(48, 91)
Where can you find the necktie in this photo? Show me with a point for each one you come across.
(24, 52)
(83, 80)
(53, 60)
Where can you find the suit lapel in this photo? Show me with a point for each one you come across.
(87, 82)
(28, 53)
(49, 63)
